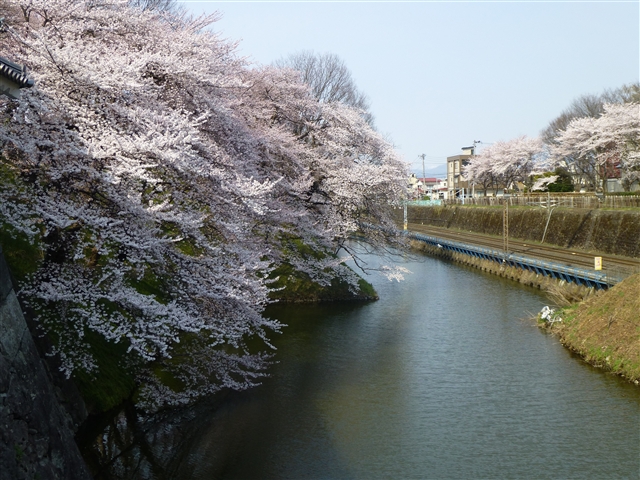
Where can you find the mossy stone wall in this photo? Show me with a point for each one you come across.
(36, 432)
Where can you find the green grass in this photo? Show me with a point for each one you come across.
(151, 284)
(367, 289)
(568, 314)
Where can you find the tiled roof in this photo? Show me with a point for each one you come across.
(15, 73)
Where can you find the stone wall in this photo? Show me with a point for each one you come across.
(36, 432)
(608, 231)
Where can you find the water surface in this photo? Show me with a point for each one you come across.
(445, 377)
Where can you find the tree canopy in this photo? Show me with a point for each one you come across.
(505, 163)
(590, 105)
(329, 78)
(600, 145)
(163, 180)
(596, 138)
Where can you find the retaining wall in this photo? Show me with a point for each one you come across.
(614, 232)
(36, 432)
(526, 277)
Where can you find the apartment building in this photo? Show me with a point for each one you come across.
(456, 181)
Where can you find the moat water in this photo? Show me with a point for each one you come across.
(445, 377)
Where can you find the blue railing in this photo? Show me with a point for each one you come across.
(580, 276)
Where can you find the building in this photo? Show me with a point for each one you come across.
(457, 184)
(435, 188)
(432, 187)
(440, 190)
(414, 185)
(13, 77)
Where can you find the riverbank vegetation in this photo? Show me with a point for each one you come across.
(158, 184)
(604, 329)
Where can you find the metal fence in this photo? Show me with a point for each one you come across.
(578, 275)
(425, 203)
(577, 200)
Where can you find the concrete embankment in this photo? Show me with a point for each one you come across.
(37, 432)
(606, 231)
(526, 277)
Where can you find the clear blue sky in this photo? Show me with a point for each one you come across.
(440, 75)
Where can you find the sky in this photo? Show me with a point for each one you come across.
(442, 74)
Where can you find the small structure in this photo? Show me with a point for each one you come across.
(414, 185)
(13, 77)
(456, 182)
(440, 191)
(433, 187)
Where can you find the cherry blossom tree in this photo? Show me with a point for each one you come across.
(163, 179)
(613, 139)
(158, 5)
(503, 164)
(585, 169)
(589, 106)
(479, 172)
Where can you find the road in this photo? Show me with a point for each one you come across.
(570, 257)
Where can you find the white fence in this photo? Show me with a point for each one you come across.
(578, 200)
(424, 203)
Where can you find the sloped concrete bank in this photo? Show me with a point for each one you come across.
(531, 279)
(36, 431)
(607, 231)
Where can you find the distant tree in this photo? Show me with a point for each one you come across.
(479, 172)
(329, 78)
(507, 163)
(589, 106)
(563, 181)
(583, 168)
(600, 145)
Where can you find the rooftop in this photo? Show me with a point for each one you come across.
(12, 78)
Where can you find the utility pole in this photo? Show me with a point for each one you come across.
(405, 214)
(549, 207)
(473, 183)
(423, 171)
(505, 228)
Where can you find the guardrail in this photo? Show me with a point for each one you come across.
(580, 276)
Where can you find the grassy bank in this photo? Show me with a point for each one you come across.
(291, 285)
(605, 329)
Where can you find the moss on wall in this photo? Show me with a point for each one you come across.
(296, 287)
